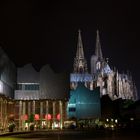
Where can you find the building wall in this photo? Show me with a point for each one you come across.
(8, 75)
(51, 85)
(27, 74)
(84, 103)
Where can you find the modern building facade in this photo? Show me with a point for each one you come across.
(29, 97)
(43, 94)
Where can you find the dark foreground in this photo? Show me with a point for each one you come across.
(75, 135)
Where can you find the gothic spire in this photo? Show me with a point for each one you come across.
(98, 50)
(80, 52)
(80, 64)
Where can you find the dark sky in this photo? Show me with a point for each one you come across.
(46, 32)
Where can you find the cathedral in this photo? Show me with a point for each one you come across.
(112, 83)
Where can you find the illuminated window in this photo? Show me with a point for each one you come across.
(98, 65)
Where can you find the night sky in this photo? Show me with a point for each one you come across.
(41, 32)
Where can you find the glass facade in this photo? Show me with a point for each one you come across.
(84, 103)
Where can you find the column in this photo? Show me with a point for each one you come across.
(47, 112)
(1, 111)
(61, 114)
(41, 113)
(29, 109)
(33, 107)
(20, 114)
(5, 115)
(23, 112)
(54, 114)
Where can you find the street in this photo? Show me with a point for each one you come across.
(75, 135)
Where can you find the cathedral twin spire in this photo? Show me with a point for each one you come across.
(80, 63)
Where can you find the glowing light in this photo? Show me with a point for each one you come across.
(132, 119)
(48, 116)
(24, 117)
(107, 120)
(43, 124)
(1, 87)
(112, 126)
(116, 121)
(56, 125)
(26, 125)
(106, 125)
(11, 116)
(58, 116)
(36, 117)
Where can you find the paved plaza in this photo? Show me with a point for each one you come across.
(74, 135)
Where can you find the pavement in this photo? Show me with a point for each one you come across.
(73, 135)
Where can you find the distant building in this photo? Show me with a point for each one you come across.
(110, 81)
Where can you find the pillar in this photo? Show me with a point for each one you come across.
(47, 112)
(33, 107)
(29, 109)
(5, 115)
(1, 112)
(54, 114)
(20, 114)
(23, 112)
(41, 113)
(61, 113)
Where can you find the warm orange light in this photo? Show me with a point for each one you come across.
(36, 117)
(24, 117)
(48, 116)
(58, 116)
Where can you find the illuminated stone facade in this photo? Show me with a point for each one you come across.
(110, 81)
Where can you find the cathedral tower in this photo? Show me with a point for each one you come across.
(97, 58)
(80, 63)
